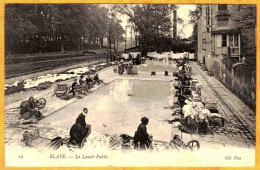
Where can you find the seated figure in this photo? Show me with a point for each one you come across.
(28, 109)
(73, 87)
(89, 81)
(83, 85)
(97, 80)
(81, 81)
(141, 137)
(80, 130)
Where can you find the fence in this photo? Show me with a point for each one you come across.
(41, 54)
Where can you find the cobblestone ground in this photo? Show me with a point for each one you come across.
(239, 130)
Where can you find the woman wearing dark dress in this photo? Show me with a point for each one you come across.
(141, 135)
(80, 129)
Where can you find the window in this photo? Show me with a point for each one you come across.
(230, 40)
(222, 7)
(219, 40)
(235, 40)
(224, 40)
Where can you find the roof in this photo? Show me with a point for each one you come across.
(185, 39)
(225, 32)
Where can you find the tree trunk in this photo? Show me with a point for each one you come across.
(62, 45)
(13, 48)
(115, 50)
(94, 43)
(101, 43)
(84, 42)
(117, 43)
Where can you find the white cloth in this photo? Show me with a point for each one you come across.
(191, 56)
(194, 95)
(125, 56)
(135, 54)
(186, 110)
(193, 112)
(204, 113)
(180, 68)
(187, 101)
(135, 71)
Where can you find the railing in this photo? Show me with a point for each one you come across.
(41, 54)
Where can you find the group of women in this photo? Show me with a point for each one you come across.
(85, 85)
(128, 68)
(188, 94)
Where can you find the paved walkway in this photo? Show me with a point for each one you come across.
(240, 131)
(240, 128)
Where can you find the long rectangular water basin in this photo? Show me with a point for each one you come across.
(118, 107)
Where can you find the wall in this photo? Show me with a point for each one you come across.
(244, 84)
(240, 79)
(201, 34)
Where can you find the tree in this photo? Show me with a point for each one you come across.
(244, 18)
(116, 33)
(55, 27)
(152, 21)
(18, 25)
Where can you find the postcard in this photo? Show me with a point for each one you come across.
(129, 85)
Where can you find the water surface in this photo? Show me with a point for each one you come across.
(118, 107)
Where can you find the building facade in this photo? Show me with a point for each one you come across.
(227, 45)
(218, 37)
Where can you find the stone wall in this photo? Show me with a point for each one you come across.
(239, 78)
(244, 84)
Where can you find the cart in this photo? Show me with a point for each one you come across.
(40, 103)
(62, 91)
(178, 143)
(33, 139)
(215, 116)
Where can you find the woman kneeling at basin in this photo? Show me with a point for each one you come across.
(142, 136)
(80, 130)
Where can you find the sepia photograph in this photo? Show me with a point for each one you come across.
(129, 85)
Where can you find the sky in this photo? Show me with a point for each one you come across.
(182, 12)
